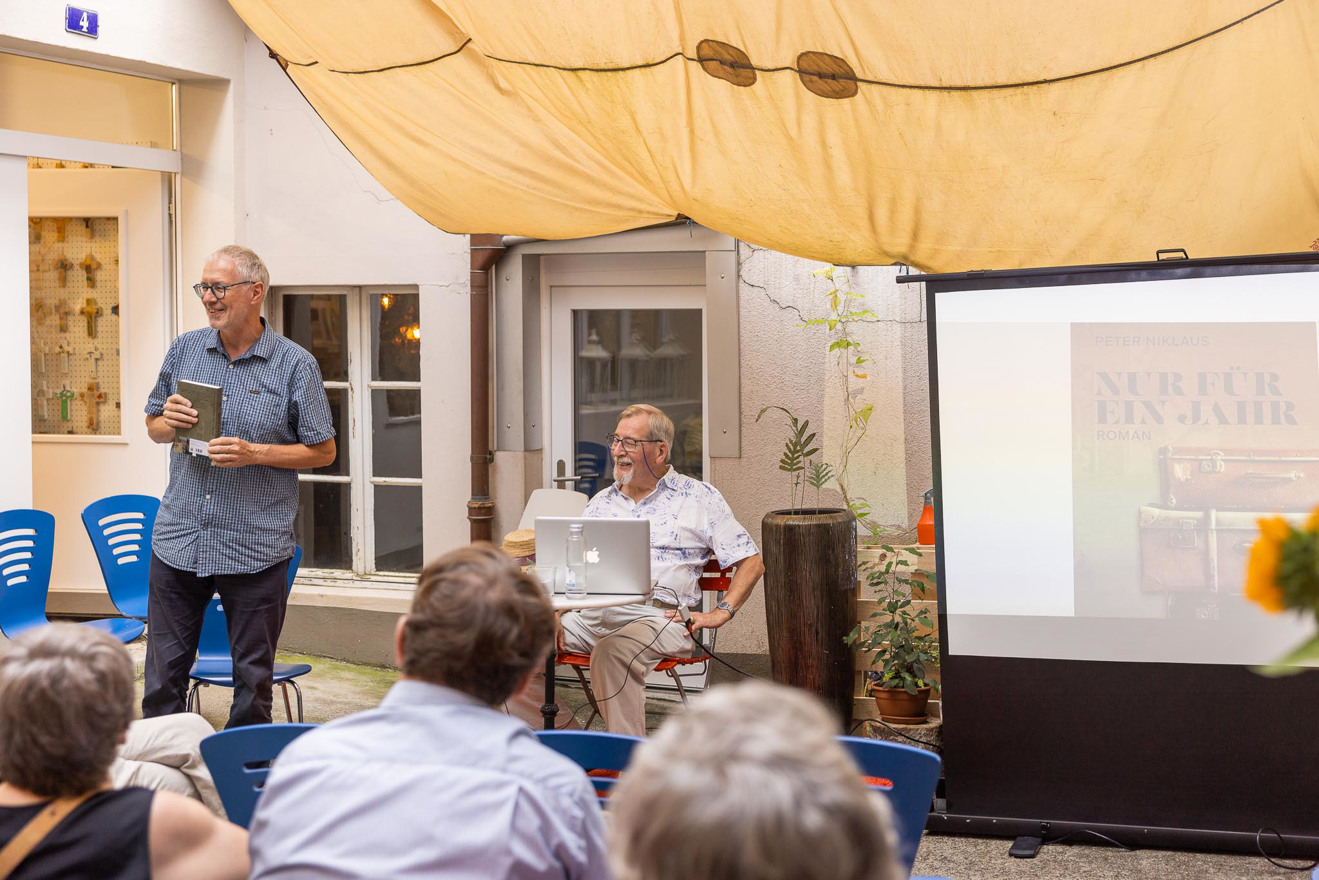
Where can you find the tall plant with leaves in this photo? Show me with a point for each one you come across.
(797, 453)
(844, 310)
(899, 636)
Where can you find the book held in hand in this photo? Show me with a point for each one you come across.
(206, 400)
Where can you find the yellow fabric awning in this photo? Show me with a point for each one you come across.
(948, 136)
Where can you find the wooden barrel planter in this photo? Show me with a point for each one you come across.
(810, 601)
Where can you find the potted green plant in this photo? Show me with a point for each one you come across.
(900, 638)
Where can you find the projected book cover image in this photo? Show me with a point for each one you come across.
(1183, 435)
(206, 400)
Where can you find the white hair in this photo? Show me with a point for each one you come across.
(749, 784)
(659, 424)
(246, 263)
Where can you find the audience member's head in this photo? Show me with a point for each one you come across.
(749, 784)
(66, 700)
(478, 624)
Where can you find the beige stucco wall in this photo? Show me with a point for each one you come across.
(786, 365)
(261, 168)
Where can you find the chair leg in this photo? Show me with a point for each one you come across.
(590, 696)
(288, 710)
(194, 703)
(677, 680)
(297, 691)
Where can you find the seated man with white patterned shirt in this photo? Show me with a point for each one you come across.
(689, 523)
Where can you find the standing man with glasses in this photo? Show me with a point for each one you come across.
(226, 521)
(689, 523)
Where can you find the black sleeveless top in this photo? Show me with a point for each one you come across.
(104, 839)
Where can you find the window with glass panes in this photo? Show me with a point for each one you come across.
(362, 512)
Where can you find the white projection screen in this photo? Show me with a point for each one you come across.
(1105, 439)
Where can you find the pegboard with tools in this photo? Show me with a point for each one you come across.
(73, 269)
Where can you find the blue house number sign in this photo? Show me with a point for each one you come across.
(81, 21)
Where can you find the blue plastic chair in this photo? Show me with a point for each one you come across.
(120, 528)
(592, 459)
(239, 760)
(215, 661)
(27, 550)
(914, 773)
(593, 750)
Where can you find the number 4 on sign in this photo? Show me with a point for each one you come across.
(81, 21)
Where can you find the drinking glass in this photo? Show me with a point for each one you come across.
(546, 575)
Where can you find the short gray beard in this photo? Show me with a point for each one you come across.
(626, 477)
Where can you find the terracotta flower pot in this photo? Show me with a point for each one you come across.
(899, 707)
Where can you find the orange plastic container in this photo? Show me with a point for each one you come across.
(925, 525)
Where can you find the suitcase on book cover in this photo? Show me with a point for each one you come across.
(1202, 477)
(1197, 550)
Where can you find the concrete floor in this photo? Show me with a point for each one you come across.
(986, 858)
(334, 689)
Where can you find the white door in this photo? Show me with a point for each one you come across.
(69, 472)
(612, 346)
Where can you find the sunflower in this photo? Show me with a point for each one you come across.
(1262, 566)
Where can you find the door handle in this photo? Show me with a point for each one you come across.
(560, 478)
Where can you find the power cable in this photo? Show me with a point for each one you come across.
(1273, 860)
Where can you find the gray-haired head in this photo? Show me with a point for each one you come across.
(749, 784)
(248, 265)
(66, 700)
(661, 426)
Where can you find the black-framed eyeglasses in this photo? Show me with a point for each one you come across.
(629, 444)
(219, 290)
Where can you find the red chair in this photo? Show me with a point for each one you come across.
(714, 580)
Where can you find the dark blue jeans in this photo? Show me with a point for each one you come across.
(254, 608)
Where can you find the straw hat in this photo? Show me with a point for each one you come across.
(520, 543)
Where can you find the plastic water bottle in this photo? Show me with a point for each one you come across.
(575, 579)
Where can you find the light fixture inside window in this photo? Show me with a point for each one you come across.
(414, 332)
(386, 301)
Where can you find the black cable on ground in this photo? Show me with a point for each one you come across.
(1272, 860)
(883, 723)
(1104, 837)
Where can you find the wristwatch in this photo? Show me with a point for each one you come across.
(724, 606)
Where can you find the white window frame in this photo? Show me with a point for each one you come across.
(360, 480)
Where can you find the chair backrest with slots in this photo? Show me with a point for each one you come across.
(602, 755)
(239, 760)
(911, 774)
(27, 549)
(120, 530)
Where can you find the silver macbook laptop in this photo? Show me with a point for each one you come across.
(617, 553)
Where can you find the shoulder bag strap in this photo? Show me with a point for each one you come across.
(35, 831)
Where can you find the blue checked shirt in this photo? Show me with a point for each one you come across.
(216, 520)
